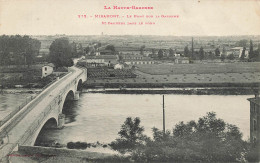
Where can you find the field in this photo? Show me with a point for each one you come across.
(188, 75)
(164, 69)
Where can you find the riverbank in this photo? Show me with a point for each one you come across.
(189, 89)
(20, 91)
(47, 154)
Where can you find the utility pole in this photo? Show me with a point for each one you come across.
(192, 48)
(163, 117)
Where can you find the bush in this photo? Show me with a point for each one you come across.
(77, 145)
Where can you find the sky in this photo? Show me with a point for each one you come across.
(196, 17)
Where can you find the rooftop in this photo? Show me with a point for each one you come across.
(49, 64)
(102, 57)
(255, 100)
(237, 48)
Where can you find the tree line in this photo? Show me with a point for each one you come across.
(209, 139)
(201, 54)
(62, 52)
(18, 50)
(22, 50)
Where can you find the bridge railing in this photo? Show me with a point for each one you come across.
(27, 100)
(10, 115)
(42, 116)
(23, 111)
(35, 125)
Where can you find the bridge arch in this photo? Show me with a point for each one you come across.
(79, 85)
(67, 100)
(69, 96)
(48, 123)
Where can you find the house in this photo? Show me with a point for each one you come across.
(47, 69)
(255, 122)
(139, 62)
(101, 60)
(181, 60)
(133, 57)
(130, 59)
(119, 66)
(106, 52)
(237, 52)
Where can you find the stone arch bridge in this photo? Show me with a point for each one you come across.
(24, 127)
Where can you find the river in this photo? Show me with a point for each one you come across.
(12, 100)
(98, 117)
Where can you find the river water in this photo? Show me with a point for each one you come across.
(11, 101)
(98, 117)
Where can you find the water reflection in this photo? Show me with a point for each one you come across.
(98, 117)
(70, 111)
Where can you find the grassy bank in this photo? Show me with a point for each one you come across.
(188, 91)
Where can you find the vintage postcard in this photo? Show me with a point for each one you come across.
(129, 81)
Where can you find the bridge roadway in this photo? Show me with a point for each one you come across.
(27, 123)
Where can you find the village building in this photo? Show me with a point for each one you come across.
(47, 69)
(101, 60)
(137, 59)
(255, 122)
(119, 66)
(181, 60)
(237, 52)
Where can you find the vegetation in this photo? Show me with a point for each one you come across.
(186, 51)
(77, 145)
(201, 53)
(61, 52)
(209, 139)
(142, 49)
(18, 50)
(111, 47)
(217, 52)
(160, 54)
(243, 55)
(131, 136)
(242, 43)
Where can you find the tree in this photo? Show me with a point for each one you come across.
(223, 57)
(87, 50)
(81, 50)
(74, 49)
(224, 51)
(242, 43)
(131, 135)
(160, 54)
(18, 50)
(61, 52)
(217, 52)
(171, 52)
(186, 51)
(153, 53)
(201, 53)
(211, 55)
(231, 56)
(251, 50)
(243, 55)
(142, 49)
(111, 47)
(209, 139)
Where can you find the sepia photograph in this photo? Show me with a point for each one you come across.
(129, 81)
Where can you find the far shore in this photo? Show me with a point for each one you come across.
(185, 91)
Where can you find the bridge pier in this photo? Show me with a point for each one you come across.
(76, 96)
(61, 121)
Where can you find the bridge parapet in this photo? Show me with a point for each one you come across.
(8, 147)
